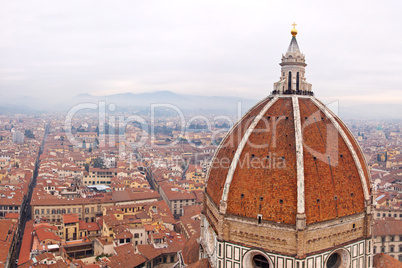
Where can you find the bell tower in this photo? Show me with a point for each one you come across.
(292, 80)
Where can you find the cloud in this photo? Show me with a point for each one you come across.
(198, 47)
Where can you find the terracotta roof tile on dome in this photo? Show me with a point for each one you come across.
(385, 261)
(263, 175)
(356, 147)
(340, 191)
(227, 151)
(267, 182)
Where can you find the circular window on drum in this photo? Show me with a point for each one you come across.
(259, 261)
(256, 259)
(340, 258)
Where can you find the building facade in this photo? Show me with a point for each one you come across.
(387, 237)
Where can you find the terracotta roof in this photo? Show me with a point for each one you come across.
(44, 234)
(203, 263)
(7, 229)
(264, 179)
(385, 261)
(12, 216)
(45, 225)
(148, 251)
(45, 256)
(382, 227)
(26, 244)
(126, 257)
(134, 194)
(70, 218)
(93, 226)
(58, 264)
(191, 251)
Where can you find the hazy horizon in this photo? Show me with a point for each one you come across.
(57, 50)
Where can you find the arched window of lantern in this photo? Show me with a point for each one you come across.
(290, 81)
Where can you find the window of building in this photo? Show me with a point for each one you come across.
(391, 238)
(382, 238)
(391, 249)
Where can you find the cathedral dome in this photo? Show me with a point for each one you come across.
(288, 185)
(289, 155)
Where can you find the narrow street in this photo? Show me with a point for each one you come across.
(26, 207)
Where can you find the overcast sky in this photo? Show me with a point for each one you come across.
(59, 49)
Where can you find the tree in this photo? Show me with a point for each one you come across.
(101, 256)
(86, 167)
(96, 142)
(98, 163)
(29, 134)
